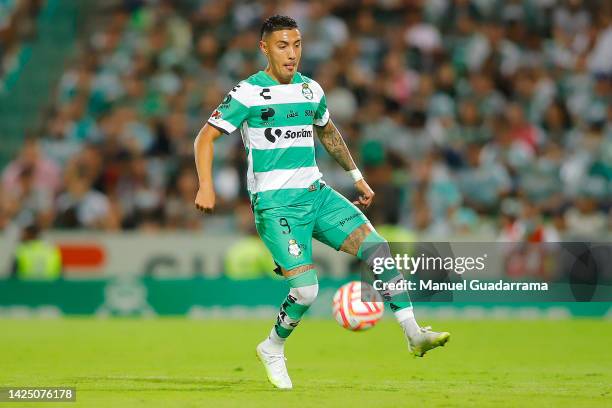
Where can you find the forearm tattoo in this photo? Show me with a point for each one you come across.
(334, 144)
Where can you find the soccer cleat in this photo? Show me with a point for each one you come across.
(426, 339)
(275, 368)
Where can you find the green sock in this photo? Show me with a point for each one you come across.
(304, 289)
(374, 246)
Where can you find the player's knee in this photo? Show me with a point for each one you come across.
(373, 246)
(383, 247)
(305, 295)
(379, 250)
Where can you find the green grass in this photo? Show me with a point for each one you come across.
(199, 363)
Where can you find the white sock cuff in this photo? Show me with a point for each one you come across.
(404, 314)
(275, 338)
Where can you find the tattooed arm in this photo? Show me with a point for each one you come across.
(334, 144)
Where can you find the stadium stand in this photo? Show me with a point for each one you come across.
(466, 115)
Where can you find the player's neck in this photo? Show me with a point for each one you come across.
(277, 78)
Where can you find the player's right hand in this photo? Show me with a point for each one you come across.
(366, 194)
(205, 199)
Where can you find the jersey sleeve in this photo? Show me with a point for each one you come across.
(322, 114)
(233, 110)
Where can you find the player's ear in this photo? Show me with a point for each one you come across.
(263, 46)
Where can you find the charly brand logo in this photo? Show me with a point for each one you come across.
(307, 92)
(227, 100)
(273, 134)
(264, 93)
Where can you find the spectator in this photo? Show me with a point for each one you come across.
(45, 173)
(36, 259)
(584, 220)
(482, 184)
(180, 212)
(79, 206)
(27, 204)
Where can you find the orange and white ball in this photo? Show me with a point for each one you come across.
(353, 313)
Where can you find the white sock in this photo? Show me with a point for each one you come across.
(274, 343)
(406, 319)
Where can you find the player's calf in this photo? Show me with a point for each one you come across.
(271, 351)
(420, 340)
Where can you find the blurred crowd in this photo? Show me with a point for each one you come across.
(17, 25)
(465, 115)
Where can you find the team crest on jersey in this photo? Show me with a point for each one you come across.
(294, 248)
(306, 91)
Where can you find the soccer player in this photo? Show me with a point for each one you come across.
(278, 112)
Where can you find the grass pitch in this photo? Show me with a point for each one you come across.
(202, 363)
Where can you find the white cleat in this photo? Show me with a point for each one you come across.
(426, 339)
(275, 368)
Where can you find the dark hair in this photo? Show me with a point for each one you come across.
(26, 172)
(30, 232)
(276, 23)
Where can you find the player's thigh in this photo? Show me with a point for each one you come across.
(287, 233)
(337, 219)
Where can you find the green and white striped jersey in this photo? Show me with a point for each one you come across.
(276, 122)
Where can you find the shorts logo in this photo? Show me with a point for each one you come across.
(307, 92)
(294, 249)
(345, 220)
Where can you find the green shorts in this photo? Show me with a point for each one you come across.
(287, 231)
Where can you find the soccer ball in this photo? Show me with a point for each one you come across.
(353, 314)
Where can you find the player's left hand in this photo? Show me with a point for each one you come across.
(366, 194)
